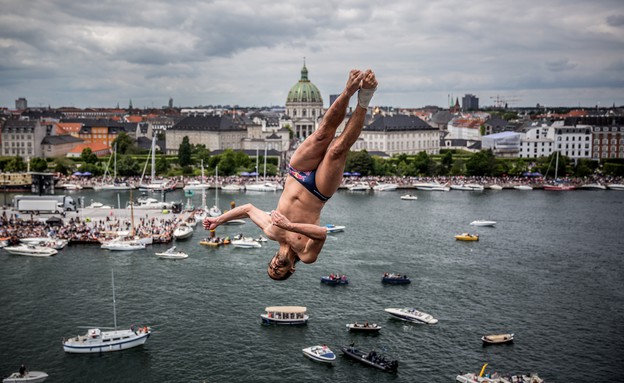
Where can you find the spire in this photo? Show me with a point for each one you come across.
(304, 72)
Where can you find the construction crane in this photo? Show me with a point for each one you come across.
(501, 101)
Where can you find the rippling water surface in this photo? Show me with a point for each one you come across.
(551, 272)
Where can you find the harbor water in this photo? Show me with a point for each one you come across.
(551, 271)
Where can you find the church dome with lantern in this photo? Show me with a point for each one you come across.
(304, 105)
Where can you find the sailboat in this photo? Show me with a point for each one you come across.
(215, 211)
(113, 185)
(558, 186)
(154, 184)
(263, 186)
(197, 185)
(96, 340)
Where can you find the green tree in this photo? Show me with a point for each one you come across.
(185, 152)
(88, 156)
(360, 162)
(15, 164)
(38, 165)
(200, 153)
(127, 166)
(63, 165)
(162, 165)
(92, 168)
(458, 168)
(125, 144)
(422, 163)
(446, 163)
(481, 164)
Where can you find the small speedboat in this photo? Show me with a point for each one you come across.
(411, 315)
(371, 358)
(320, 354)
(619, 187)
(467, 237)
(331, 228)
(365, 327)
(409, 197)
(395, 279)
(183, 231)
(116, 245)
(171, 253)
(497, 338)
(26, 377)
(246, 243)
(31, 250)
(335, 280)
(523, 187)
(385, 187)
(482, 223)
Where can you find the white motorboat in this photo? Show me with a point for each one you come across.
(409, 197)
(246, 243)
(385, 187)
(262, 187)
(619, 187)
(70, 186)
(468, 187)
(150, 203)
(331, 228)
(196, 185)
(55, 243)
(482, 223)
(411, 315)
(593, 187)
(523, 187)
(123, 245)
(98, 205)
(286, 315)
(321, 354)
(232, 188)
(26, 377)
(31, 250)
(496, 187)
(97, 341)
(183, 231)
(171, 253)
(359, 186)
(431, 186)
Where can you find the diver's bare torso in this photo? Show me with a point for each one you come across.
(301, 206)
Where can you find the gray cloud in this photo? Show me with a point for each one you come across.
(99, 53)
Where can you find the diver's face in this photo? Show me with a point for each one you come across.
(279, 265)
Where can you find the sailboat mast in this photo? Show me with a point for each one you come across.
(115, 163)
(265, 156)
(217, 186)
(153, 158)
(203, 189)
(257, 158)
(556, 165)
(114, 303)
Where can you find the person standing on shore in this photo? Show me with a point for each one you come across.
(316, 168)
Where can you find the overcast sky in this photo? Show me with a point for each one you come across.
(249, 52)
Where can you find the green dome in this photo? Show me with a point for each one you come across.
(304, 90)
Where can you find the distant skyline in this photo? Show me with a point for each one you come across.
(250, 53)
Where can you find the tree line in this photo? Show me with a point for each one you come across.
(132, 161)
